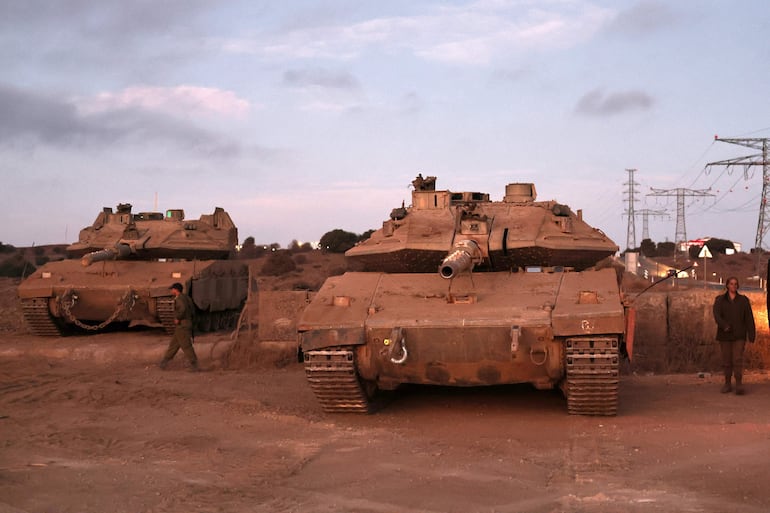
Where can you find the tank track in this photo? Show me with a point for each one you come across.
(165, 308)
(334, 380)
(39, 318)
(592, 375)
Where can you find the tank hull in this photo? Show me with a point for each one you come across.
(65, 293)
(547, 329)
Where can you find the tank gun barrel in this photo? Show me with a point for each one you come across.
(465, 255)
(118, 252)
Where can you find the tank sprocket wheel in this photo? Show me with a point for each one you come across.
(592, 381)
(39, 318)
(335, 381)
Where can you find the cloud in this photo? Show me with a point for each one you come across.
(596, 103)
(319, 77)
(34, 118)
(643, 17)
(475, 33)
(105, 20)
(83, 37)
(180, 101)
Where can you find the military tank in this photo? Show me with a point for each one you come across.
(121, 267)
(460, 290)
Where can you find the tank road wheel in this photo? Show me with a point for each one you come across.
(165, 309)
(592, 380)
(39, 318)
(335, 381)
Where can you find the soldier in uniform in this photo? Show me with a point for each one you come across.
(735, 325)
(182, 339)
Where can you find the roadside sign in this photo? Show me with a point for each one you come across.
(705, 253)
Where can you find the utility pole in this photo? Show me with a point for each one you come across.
(680, 193)
(747, 162)
(630, 197)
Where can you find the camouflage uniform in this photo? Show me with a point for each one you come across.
(182, 339)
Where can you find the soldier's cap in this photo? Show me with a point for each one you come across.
(177, 286)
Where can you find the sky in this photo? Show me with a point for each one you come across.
(307, 116)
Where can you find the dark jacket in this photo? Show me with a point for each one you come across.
(735, 320)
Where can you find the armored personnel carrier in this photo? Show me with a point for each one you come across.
(545, 307)
(122, 266)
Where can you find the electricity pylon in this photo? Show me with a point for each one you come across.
(747, 162)
(630, 196)
(646, 213)
(680, 193)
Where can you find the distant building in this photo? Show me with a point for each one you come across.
(685, 246)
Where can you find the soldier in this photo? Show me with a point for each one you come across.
(735, 325)
(183, 314)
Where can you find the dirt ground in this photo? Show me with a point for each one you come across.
(89, 424)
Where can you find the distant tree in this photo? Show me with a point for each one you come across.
(6, 248)
(719, 246)
(296, 247)
(666, 249)
(248, 248)
(278, 263)
(338, 241)
(365, 235)
(694, 251)
(647, 248)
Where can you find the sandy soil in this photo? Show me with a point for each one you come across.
(104, 432)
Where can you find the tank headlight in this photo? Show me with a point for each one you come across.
(176, 275)
(46, 274)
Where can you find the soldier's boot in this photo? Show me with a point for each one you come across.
(163, 364)
(194, 367)
(739, 390)
(727, 387)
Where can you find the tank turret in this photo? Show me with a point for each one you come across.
(121, 235)
(515, 233)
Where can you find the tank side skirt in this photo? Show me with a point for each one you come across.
(334, 379)
(592, 380)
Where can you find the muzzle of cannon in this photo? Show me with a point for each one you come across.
(465, 255)
(120, 251)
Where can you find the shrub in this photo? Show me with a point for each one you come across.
(278, 263)
(16, 266)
